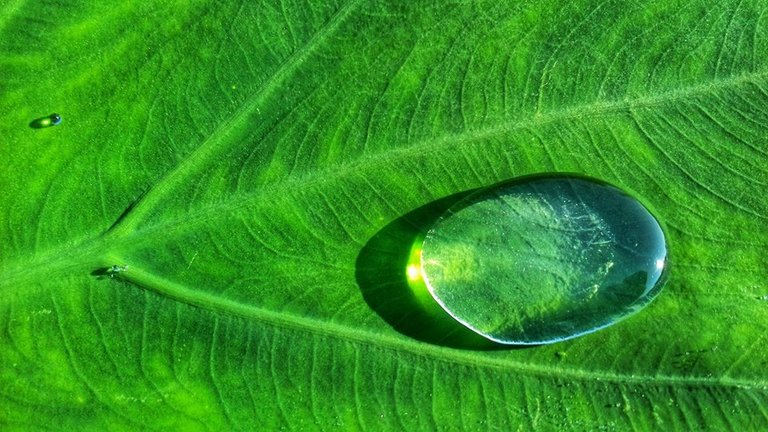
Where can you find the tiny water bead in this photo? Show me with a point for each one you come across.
(115, 270)
(46, 121)
(543, 260)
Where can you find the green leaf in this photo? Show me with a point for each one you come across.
(247, 161)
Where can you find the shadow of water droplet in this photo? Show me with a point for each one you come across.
(382, 274)
(100, 273)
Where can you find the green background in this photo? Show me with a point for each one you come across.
(239, 157)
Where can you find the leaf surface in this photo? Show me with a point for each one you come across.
(242, 159)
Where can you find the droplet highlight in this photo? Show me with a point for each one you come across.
(544, 259)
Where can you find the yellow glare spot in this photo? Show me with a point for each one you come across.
(413, 272)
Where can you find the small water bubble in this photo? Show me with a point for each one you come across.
(46, 121)
(115, 270)
(544, 260)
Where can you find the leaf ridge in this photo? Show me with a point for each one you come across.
(207, 301)
(240, 119)
(126, 231)
(371, 162)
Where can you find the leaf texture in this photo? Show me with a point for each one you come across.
(239, 157)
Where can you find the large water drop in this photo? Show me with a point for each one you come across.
(543, 260)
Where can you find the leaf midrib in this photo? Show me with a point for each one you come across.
(207, 301)
(45, 262)
(373, 162)
(225, 135)
(241, 118)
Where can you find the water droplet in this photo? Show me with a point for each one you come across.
(112, 271)
(544, 259)
(46, 121)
